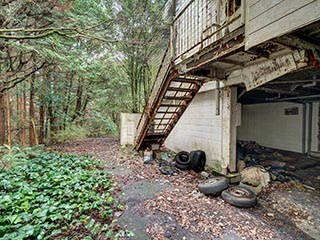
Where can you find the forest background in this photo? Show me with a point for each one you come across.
(68, 68)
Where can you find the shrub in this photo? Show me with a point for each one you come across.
(71, 132)
(100, 125)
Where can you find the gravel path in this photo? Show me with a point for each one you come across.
(171, 207)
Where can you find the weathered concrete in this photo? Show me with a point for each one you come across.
(304, 210)
(128, 126)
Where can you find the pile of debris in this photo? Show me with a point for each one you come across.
(250, 153)
(168, 164)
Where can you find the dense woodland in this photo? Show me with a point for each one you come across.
(70, 67)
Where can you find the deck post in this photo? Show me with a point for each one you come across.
(229, 129)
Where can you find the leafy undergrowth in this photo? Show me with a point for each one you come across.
(71, 132)
(55, 196)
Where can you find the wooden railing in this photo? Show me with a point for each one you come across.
(199, 23)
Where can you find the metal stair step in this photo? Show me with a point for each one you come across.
(181, 89)
(164, 112)
(171, 105)
(177, 97)
(184, 80)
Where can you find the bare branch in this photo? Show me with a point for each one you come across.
(15, 81)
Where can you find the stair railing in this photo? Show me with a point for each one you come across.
(146, 116)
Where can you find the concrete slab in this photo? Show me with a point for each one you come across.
(302, 208)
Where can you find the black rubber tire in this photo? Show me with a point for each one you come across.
(182, 167)
(239, 197)
(198, 160)
(213, 185)
(182, 158)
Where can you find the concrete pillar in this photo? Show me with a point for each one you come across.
(309, 139)
(128, 125)
(304, 127)
(229, 129)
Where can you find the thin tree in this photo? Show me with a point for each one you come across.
(9, 123)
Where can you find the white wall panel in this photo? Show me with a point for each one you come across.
(269, 126)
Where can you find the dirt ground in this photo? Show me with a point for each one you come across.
(171, 207)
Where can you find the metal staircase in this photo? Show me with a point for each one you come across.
(169, 98)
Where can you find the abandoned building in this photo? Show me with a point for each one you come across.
(237, 70)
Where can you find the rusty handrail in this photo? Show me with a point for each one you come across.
(158, 82)
(154, 82)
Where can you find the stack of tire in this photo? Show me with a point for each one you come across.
(195, 160)
(235, 195)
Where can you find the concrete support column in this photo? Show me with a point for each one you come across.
(309, 140)
(304, 127)
(229, 129)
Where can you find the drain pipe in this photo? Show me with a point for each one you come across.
(317, 96)
(218, 92)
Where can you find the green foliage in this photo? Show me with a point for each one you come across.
(102, 125)
(43, 197)
(71, 132)
(143, 30)
(17, 155)
(99, 61)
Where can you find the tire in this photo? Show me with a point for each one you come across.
(198, 160)
(182, 167)
(239, 197)
(182, 158)
(213, 185)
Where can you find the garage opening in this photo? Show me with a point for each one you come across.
(280, 125)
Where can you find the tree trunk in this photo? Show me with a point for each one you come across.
(52, 112)
(31, 115)
(2, 120)
(9, 123)
(77, 111)
(42, 113)
(66, 106)
(22, 120)
(41, 119)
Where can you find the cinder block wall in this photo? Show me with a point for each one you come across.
(128, 124)
(199, 128)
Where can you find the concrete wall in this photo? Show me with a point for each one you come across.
(199, 128)
(269, 126)
(128, 124)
